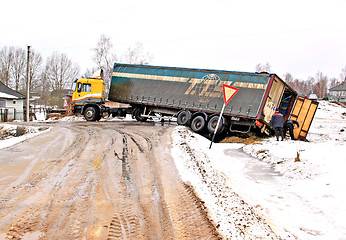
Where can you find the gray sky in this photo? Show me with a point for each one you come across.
(299, 37)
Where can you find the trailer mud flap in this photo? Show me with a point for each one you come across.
(303, 112)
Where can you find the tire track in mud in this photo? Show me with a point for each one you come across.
(77, 217)
(125, 223)
(31, 217)
(73, 201)
(191, 208)
(127, 173)
(133, 217)
(186, 211)
(21, 184)
(36, 177)
(175, 212)
(128, 221)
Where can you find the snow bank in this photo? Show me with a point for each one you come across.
(9, 134)
(235, 218)
(300, 199)
(66, 119)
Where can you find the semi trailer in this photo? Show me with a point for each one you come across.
(194, 97)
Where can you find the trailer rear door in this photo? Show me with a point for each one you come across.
(303, 112)
(274, 97)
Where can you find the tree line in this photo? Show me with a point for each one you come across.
(45, 78)
(50, 78)
(318, 84)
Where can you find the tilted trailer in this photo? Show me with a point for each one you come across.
(195, 97)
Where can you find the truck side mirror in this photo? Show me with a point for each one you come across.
(79, 87)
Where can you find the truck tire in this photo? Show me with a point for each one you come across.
(198, 124)
(184, 117)
(137, 113)
(213, 122)
(91, 114)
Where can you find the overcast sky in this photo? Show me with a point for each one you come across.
(301, 37)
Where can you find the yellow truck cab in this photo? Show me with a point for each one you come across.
(87, 90)
(88, 97)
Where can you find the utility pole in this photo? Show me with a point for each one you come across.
(28, 86)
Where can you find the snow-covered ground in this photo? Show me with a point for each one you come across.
(11, 134)
(300, 200)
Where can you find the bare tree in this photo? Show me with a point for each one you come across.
(289, 79)
(343, 74)
(13, 67)
(6, 61)
(137, 55)
(263, 67)
(301, 86)
(105, 58)
(333, 82)
(18, 68)
(35, 71)
(44, 89)
(320, 86)
(60, 72)
(89, 72)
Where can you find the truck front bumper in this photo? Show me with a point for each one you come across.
(76, 109)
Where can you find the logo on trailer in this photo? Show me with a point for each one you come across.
(206, 87)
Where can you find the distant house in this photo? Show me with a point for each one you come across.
(338, 92)
(11, 104)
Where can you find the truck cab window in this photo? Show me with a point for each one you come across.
(86, 87)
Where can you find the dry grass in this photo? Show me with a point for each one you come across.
(248, 140)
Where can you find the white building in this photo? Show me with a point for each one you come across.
(11, 104)
(338, 92)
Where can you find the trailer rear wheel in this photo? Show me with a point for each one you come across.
(198, 124)
(213, 122)
(184, 117)
(91, 114)
(137, 113)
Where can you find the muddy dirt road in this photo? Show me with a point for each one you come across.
(105, 180)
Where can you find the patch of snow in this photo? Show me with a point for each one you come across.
(40, 116)
(127, 118)
(300, 199)
(9, 96)
(12, 139)
(66, 119)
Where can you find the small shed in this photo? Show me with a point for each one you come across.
(338, 92)
(11, 104)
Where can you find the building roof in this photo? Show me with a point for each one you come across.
(8, 93)
(340, 87)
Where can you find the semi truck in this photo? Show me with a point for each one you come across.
(194, 97)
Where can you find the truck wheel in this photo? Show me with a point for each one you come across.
(138, 115)
(198, 124)
(184, 117)
(213, 122)
(91, 114)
